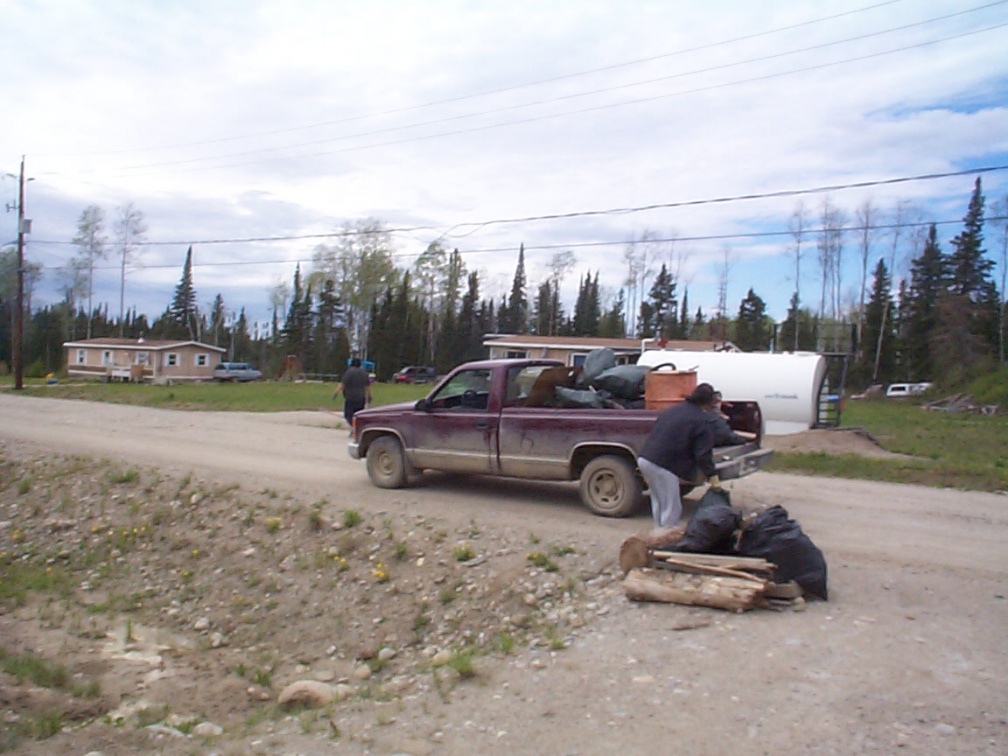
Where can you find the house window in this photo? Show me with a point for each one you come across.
(201, 360)
(515, 354)
(171, 359)
(578, 359)
(106, 357)
(142, 358)
(81, 356)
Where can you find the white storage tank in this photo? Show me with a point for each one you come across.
(788, 386)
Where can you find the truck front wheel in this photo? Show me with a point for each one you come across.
(610, 486)
(386, 464)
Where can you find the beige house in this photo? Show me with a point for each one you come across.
(572, 350)
(141, 360)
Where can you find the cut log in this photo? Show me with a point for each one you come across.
(729, 562)
(788, 590)
(733, 594)
(635, 550)
(706, 569)
(634, 553)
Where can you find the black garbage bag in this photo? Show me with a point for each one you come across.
(573, 398)
(777, 538)
(597, 361)
(623, 381)
(710, 531)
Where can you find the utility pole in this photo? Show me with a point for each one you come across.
(18, 339)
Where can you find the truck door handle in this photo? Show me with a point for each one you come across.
(482, 425)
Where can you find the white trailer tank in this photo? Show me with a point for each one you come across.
(788, 386)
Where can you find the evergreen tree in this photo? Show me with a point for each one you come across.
(613, 322)
(659, 314)
(297, 330)
(183, 307)
(542, 312)
(928, 284)
(751, 330)
(513, 316)
(879, 329)
(467, 344)
(970, 273)
(218, 313)
(587, 312)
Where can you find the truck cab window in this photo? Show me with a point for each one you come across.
(467, 390)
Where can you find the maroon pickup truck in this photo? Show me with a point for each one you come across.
(493, 418)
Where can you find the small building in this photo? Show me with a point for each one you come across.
(572, 350)
(160, 361)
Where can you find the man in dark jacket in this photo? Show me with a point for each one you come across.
(356, 388)
(679, 448)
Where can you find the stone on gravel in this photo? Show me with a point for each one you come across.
(207, 730)
(441, 658)
(308, 693)
(363, 672)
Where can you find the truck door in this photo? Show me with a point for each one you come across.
(456, 429)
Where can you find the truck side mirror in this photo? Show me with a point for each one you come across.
(422, 405)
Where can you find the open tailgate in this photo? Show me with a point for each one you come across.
(739, 461)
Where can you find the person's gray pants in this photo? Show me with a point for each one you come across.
(666, 502)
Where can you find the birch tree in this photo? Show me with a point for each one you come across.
(361, 266)
(797, 226)
(866, 220)
(130, 232)
(90, 241)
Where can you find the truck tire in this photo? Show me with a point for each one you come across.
(610, 486)
(386, 464)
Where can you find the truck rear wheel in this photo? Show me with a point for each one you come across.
(610, 486)
(386, 464)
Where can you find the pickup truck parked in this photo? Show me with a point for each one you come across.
(488, 418)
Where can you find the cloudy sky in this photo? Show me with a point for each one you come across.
(245, 128)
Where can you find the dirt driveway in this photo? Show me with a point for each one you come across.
(908, 654)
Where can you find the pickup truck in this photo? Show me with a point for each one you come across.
(492, 418)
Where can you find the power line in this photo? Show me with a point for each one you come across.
(810, 232)
(501, 90)
(590, 213)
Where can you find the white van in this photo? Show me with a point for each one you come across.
(900, 390)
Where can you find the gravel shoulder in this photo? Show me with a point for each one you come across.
(908, 654)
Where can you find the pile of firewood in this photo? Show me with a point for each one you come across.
(734, 583)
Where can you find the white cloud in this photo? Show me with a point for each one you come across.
(232, 120)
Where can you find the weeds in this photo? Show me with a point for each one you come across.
(462, 662)
(463, 552)
(352, 518)
(122, 477)
(541, 560)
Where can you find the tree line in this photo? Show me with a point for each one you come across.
(945, 319)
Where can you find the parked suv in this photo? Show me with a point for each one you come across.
(236, 372)
(415, 374)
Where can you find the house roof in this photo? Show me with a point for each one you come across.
(152, 345)
(524, 341)
(564, 342)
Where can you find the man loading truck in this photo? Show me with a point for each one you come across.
(679, 448)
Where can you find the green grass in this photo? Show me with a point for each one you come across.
(258, 396)
(34, 668)
(947, 449)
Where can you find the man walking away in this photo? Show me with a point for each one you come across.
(356, 388)
(680, 446)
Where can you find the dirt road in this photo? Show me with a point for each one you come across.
(908, 654)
